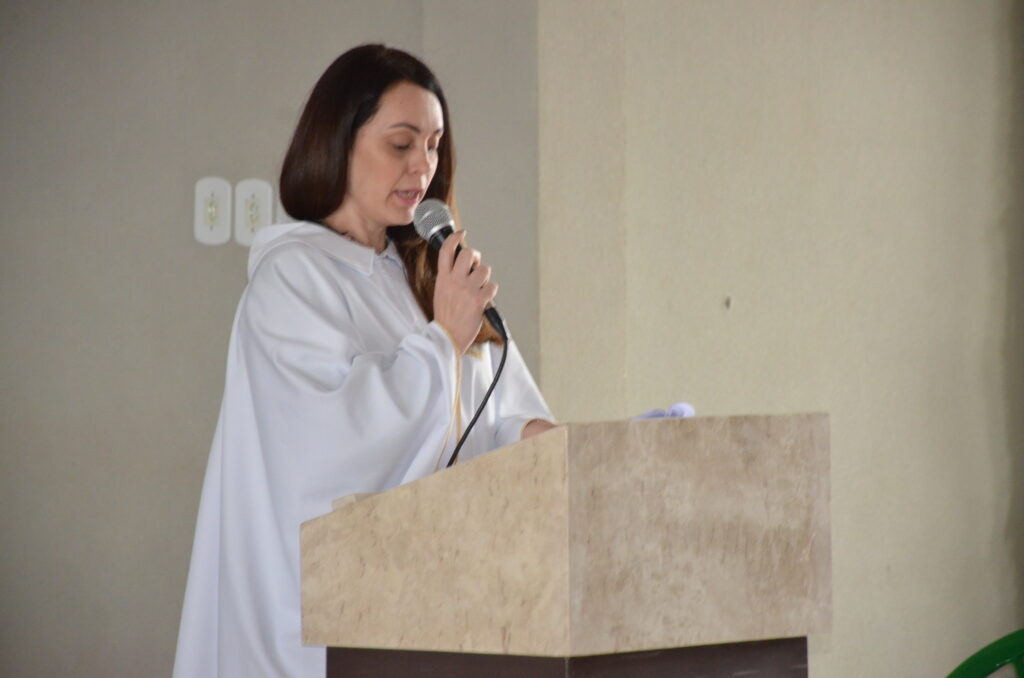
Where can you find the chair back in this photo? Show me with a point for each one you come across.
(989, 659)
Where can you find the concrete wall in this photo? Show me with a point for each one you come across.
(791, 206)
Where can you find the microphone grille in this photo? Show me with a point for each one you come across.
(430, 214)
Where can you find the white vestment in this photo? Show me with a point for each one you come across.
(336, 383)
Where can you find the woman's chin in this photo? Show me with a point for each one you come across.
(401, 217)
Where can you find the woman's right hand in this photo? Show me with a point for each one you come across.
(462, 291)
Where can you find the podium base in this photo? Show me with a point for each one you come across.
(781, 658)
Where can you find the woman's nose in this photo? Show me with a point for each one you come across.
(420, 161)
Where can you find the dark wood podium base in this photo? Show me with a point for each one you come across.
(783, 658)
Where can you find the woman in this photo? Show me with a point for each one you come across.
(356, 356)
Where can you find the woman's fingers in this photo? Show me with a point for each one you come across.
(463, 289)
(468, 267)
(488, 292)
(446, 255)
(480, 276)
(466, 261)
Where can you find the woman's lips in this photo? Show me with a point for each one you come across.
(409, 198)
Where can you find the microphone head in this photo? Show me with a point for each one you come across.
(430, 215)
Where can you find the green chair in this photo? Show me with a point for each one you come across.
(986, 661)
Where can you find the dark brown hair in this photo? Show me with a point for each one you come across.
(314, 175)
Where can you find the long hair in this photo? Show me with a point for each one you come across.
(314, 174)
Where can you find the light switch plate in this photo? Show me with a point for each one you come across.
(212, 216)
(254, 208)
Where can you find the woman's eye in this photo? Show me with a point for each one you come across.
(398, 147)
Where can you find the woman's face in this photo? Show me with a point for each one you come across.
(394, 157)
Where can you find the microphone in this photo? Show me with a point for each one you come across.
(434, 222)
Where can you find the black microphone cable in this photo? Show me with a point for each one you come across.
(483, 403)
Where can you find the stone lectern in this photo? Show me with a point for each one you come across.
(671, 547)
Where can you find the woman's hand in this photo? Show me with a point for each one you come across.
(535, 427)
(462, 291)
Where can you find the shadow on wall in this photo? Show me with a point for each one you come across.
(1013, 223)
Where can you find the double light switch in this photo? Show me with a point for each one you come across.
(252, 209)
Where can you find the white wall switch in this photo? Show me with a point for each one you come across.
(253, 208)
(212, 217)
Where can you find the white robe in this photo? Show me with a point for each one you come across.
(335, 384)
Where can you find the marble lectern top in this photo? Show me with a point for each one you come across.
(588, 539)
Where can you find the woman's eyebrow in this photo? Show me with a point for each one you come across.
(414, 128)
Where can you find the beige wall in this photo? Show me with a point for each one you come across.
(848, 175)
(582, 212)
(485, 54)
(115, 321)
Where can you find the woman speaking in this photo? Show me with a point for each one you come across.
(357, 352)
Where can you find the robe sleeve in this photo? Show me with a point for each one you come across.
(335, 416)
(518, 399)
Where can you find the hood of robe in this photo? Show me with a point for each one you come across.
(269, 237)
(357, 256)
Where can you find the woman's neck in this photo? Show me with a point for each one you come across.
(358, 230)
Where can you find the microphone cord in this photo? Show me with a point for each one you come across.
(483, 403)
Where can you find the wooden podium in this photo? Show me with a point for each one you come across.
(673, 547)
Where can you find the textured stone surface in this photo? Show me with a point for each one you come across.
(590, 539)
(698, 531)
(469, 559)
